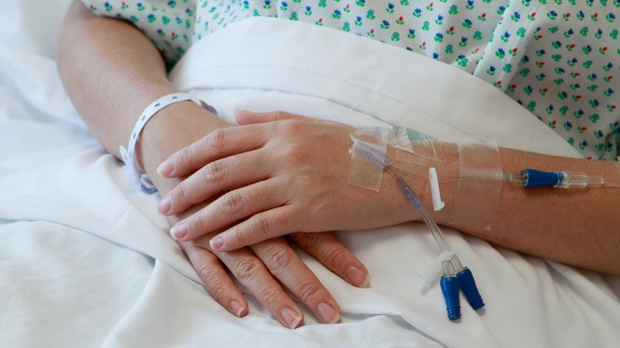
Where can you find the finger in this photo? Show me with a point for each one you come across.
(218, 176)
(252, 273)
(231, 207)
(216, 279)
(259, 227)
(245, 117)
(289, 269)
(326, 248)
(218, 144)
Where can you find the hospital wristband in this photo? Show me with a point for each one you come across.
(127, 154)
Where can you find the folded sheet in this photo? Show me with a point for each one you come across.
(332, 75)
(74, 194)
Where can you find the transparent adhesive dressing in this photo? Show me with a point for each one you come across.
(455, 277)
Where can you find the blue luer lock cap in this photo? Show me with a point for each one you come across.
(468, 285)
(536, 178)
(450, 290)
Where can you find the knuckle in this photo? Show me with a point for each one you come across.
(269, 296)
(309, 290)
(205, 272)
(217, 140)
(219, 291)
(246, 269)
(262, 224)
(278, 260)
(233, 203)
(337, 257)
(214, 172)
(308, 241)
(216, 286)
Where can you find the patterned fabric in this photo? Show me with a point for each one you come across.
(557, 58)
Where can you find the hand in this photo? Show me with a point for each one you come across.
(284, 173)
(133, 67)
(265, 268)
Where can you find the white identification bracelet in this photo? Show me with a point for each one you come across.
(136, 172)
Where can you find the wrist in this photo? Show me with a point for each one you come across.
(414, 169)
(174, 127)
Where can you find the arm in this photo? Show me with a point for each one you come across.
(112, 72)
(576, 226)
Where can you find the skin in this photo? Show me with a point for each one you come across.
(307, 180)
(111, 73)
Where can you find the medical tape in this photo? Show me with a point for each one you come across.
(478, 182)
(479, 187)
(369, 153)
(364, 173)
(401, 138)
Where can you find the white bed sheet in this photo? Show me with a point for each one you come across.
(85, 261)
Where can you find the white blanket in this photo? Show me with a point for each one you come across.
(86, 261)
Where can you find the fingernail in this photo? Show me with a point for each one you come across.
(216, 242)
(237, 308)
(179, 231)
(358, 277)
(165, 169)
(327, 313)
(165, 205)
(290, 317)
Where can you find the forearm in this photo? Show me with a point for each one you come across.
(574, 226)
(111, 72)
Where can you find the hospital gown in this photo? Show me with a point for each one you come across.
(560, 59)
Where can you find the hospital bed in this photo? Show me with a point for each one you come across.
(86, 260)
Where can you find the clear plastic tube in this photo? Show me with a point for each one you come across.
(559, 179)
(413, 199)
(455, 276)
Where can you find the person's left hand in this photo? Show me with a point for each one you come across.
(284, 173)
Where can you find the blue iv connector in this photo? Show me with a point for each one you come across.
(468, 285)
(450, 289)
(451, 283)
(559, 179)
(536, 178)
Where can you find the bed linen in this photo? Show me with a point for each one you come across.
(87, 261)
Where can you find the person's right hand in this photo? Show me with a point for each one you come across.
(267, 268)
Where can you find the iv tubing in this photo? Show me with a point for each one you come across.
(456, 277)
(415, 202)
